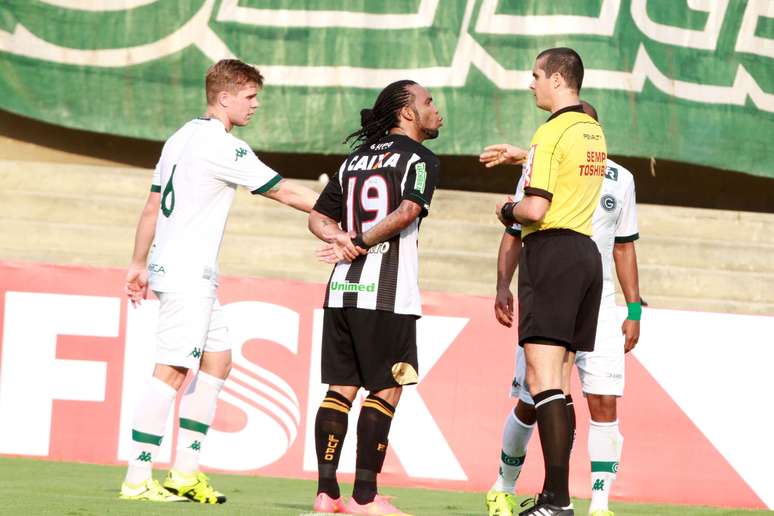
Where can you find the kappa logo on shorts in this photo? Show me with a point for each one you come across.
(196, 353)
(241, 152)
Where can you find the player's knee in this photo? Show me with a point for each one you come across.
(539, 381)
(602, 408)
(348, 391)
(174, 376)
(391, 395)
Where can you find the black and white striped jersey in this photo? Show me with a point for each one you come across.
(371, 183)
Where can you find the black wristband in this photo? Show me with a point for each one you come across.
(358, 241)
(506, 212)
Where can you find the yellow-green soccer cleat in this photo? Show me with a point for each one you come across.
(499, 503)
(149, 491)
(602, 512)
(195, 487)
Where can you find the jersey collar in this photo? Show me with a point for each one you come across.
(210, 119)
(576, 108)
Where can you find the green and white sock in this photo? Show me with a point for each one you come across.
(516, 435)
(150, 419)
(197, 410)
(605, 444)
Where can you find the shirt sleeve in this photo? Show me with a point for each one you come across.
(329, 203)
(237, 164)
(421, 179)
(627, 229)
(156, 180)
(515, 228)
(541, 169)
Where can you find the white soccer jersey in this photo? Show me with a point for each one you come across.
(198, 172)
(614, 221)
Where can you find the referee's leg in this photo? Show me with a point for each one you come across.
(544, 377)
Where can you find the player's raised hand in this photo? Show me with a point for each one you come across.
(502, 154)
(136, 285)
(631, 332)
(503, 307)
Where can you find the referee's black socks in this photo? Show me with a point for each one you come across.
(555, 439)
(373, 427)
(330, 428)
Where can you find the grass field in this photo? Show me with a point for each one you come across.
(31, 487)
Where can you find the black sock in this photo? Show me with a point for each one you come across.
(571, 418)
(553, 427)
(373, 427)
(330, 428)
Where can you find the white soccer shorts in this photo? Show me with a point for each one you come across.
(189, 325)
(600, 371)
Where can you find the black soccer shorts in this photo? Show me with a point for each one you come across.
(560, 288)
(374, 349)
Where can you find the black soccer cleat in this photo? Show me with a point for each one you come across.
(541, 507)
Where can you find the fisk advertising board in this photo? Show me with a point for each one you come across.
(74, 355)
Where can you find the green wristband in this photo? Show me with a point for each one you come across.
(635, 311)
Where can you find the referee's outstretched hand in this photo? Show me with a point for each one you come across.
(502, 154)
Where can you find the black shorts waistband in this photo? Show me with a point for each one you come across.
(552, 232)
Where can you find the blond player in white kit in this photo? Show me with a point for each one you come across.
(184, 217)
(601, 371)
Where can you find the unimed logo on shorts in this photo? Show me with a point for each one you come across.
(346, 286)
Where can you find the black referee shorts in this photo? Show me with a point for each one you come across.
(374, 349)
(560, 287)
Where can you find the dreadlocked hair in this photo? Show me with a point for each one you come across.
(377, 121)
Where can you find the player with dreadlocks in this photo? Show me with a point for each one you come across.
(369, 216)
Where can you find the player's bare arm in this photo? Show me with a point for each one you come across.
(393, 223)
(502, 154)
(339, 243)
(528, 211)
(136, 286)
(625, 257)
(293, 194)
(507, 261)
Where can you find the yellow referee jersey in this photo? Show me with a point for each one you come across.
(566, 165)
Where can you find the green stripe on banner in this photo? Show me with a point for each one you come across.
(194, 426)
(604, 467)
(142, 437)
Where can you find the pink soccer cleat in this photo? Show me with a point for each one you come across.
(381, 506)
(324, 503)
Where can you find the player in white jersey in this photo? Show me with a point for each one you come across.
(601, 371)
(184, 218)
(370, 214)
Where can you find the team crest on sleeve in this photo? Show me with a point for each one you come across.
(611, 173)
(419, 183)
(608, 202)
(527, 167)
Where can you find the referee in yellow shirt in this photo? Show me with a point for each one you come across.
(560, 269)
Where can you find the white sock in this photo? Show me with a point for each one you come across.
(197, 410)
(605, 444)
(516, 435)
(150, 418)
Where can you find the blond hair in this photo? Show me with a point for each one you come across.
(230, 75)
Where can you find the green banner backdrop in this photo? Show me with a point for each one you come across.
(687, 80)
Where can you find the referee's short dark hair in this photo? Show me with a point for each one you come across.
(567, 62)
